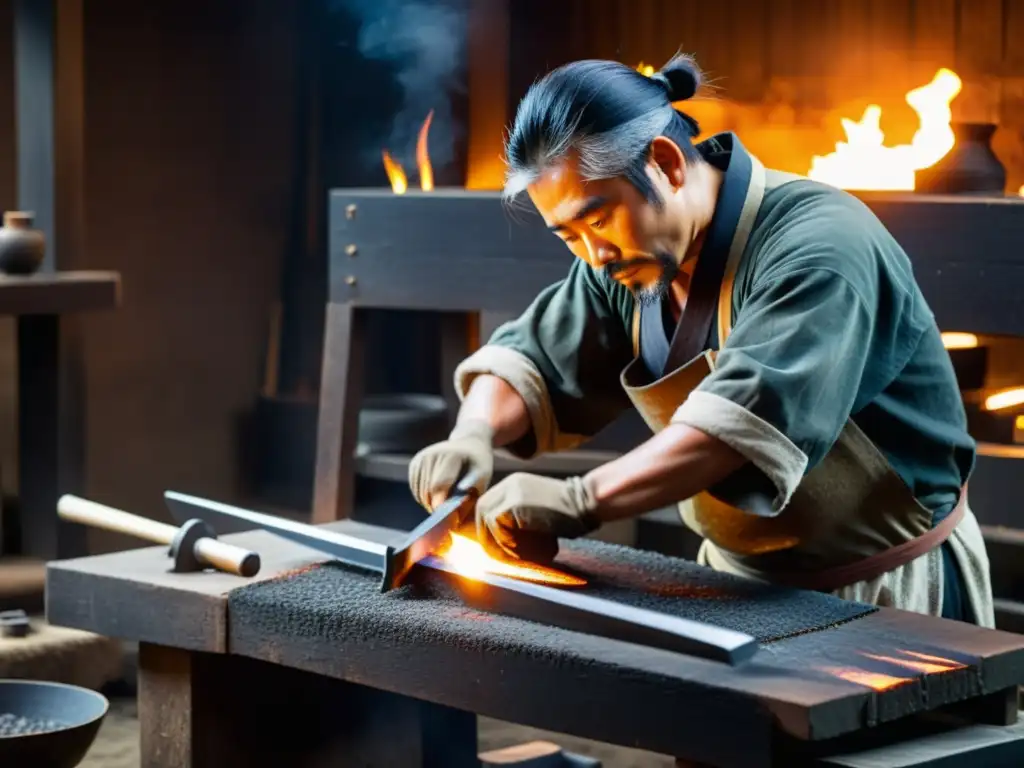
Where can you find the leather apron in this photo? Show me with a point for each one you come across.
(852, 518)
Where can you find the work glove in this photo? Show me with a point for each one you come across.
(467, 455)
(524, 515)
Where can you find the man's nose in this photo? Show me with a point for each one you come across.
(602, 252)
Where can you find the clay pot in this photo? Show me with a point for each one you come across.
(21, 247)
(971, 167)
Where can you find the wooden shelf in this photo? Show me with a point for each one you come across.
(52, 293)
(394, 467)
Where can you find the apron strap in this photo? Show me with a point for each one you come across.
(694, 326)
(710, 296)
(874, 566)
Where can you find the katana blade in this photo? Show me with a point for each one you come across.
(225, 518)
(538, 603)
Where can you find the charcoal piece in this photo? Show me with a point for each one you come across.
(14, 623)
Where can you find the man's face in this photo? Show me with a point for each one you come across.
(610, 225)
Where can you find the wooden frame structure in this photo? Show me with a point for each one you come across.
(461, 253)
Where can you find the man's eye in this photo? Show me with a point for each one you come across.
(600, 223)
(570, 238)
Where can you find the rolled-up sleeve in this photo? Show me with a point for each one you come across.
(788, 377)
(563, 356)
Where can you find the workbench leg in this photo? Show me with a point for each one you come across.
(51, 449)
(202, 710)
(341, 395)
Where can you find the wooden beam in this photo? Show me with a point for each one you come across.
(49, 88)
(488, 49)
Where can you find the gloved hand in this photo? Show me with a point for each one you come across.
(524, 515)
(435, 470)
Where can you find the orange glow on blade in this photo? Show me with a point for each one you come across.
(471, 560)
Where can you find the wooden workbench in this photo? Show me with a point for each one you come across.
(218, 689)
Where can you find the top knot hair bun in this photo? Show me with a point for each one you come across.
(680, 77)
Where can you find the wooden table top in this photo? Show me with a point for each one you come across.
(814, 686)
(49, 293)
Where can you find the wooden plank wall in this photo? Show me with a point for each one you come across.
(820, 57)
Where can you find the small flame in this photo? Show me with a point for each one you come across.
(1008, 398)
(396, 174)
(423, 156)
(645, 69)
(864, 162)
(471, 561)
(959, 340)
(395, 171)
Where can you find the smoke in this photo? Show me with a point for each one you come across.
(422, 40)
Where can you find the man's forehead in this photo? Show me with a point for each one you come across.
(559, 191)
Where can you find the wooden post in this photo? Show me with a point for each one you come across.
(49, 87)
(341, 394)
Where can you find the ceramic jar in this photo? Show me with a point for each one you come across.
(21, 246)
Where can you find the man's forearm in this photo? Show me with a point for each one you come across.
(677, 463)
(491, 400)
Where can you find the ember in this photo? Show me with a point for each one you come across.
(916, 663)
(471, 561)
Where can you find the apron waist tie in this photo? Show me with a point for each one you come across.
(875, 565)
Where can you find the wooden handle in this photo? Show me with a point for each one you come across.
(78, 510)
(227, 557)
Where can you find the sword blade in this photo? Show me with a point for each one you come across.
(511, 597)
(225, 518)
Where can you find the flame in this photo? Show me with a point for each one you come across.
(645, 69)
(423, 157)
(913, 661)
(959, 340)
(864, 162)
(1008, 398)
(396, 173)
(471, 561)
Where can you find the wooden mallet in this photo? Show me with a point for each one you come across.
(194, 546)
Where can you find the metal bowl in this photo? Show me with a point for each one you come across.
(74, 714)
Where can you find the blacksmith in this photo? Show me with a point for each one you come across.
(768, 328)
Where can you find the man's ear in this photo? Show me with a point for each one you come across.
(667, 158)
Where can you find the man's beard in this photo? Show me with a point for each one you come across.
(649, 295)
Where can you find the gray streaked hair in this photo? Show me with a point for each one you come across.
(607, 114)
